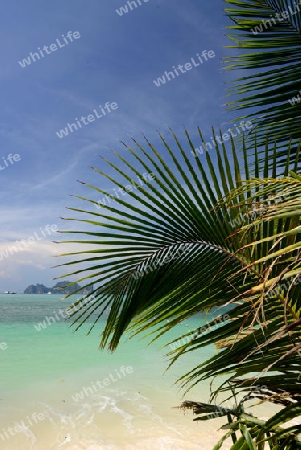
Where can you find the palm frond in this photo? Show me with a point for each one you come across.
(269, 34)
(162, 253)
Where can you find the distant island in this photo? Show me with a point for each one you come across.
(59, 288)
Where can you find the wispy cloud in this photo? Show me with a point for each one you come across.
(114, 60)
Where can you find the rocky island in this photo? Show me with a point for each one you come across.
(60, 288)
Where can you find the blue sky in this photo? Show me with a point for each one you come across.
(116, 60)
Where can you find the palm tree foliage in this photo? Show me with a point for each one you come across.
(213, 231)
(269, 33)
(269, 339)
(186, 242)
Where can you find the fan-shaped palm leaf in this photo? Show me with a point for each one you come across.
(169, 252)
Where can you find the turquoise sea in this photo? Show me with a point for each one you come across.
(58, 390)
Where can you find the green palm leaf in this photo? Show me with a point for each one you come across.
(187, 242)
(272, 57)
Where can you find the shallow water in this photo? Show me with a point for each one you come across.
(57, 390)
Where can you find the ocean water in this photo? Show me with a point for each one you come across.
(59, 391)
